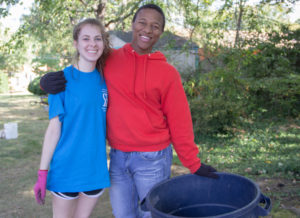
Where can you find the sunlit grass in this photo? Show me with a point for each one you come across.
(19, 160)
(260, 150)
(265, 153)
(32, 122)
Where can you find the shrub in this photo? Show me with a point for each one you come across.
(255, 82)
(34, 87)
(216, 102)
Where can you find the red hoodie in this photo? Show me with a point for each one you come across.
(148, 109)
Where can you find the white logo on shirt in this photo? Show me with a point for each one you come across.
(105, 99)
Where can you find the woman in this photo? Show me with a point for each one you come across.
(74, 143)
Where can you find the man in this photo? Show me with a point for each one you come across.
(148, 111)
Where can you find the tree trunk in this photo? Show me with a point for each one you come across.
(239, 22)
(100, 10)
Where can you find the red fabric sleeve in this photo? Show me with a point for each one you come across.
(176, 109)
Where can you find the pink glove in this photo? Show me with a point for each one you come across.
(40, 186)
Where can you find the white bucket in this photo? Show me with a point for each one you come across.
(11, 130)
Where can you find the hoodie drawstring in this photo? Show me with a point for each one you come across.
(143, 73)
(145, 69)
(134, 71)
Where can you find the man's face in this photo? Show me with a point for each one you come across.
(146, 30)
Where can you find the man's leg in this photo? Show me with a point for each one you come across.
(123, 195)
(148, 169)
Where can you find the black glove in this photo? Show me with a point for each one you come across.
(207, 171)
(53, 82)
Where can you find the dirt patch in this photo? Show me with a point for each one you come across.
(284, 194)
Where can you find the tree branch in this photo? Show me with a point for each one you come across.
(83, 2)
(133, 8)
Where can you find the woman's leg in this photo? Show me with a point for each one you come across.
(63, 208)
(85, 205)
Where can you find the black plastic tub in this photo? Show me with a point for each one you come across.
(230, 196)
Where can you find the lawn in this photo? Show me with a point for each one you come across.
(266, 152)
(19, 160)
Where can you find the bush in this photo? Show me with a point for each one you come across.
(271, 73)
(34, 87)
(216, 102)
(251, 83)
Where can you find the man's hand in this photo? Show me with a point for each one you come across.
(53, 82)
(40, 186)
(207, 171)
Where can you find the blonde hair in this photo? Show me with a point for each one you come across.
(105, 37)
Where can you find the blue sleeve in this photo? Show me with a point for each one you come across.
(56, 105)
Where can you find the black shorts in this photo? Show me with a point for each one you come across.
(74, 195)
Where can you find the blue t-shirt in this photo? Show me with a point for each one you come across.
(79, 162)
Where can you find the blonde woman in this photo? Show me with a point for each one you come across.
(74, 143)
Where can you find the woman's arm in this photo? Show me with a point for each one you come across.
(51, 138)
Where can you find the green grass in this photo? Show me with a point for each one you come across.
(19, 160)
(262, 149)
(266, 151)
(32, 122)
(270, 149)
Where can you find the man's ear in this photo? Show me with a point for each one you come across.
(75, 44)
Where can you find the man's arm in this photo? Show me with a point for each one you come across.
(175, 107)
(53, 82)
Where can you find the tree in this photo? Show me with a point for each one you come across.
(5, 5)
(50, 23)
(48, 27)
(12, 53)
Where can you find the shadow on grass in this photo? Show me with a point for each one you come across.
(264, 148)
(287, 139)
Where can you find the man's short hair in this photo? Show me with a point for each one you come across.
(154, 7)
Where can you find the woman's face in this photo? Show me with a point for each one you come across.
(89, 44)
